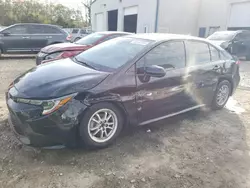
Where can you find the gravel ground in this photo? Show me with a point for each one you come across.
(197, 149)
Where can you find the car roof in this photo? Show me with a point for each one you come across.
(36, 24)
(164, 36)
(232, 32)
(113, 32)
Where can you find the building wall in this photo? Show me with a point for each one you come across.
(179, 16)
(146, 13)
(215, 13)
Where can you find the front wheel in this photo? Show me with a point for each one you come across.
(221, 95)
(101, 125)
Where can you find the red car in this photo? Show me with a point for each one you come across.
(65, 50)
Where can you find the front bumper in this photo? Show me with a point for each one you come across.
(58, 128)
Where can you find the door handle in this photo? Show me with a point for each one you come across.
(25, 37)
(48, 37)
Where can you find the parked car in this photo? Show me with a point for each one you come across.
(77, 33)
(65, 50)
(134, 80)
(235, 42)
(29, 37)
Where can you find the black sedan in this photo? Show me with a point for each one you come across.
(133, 80)
(235, 42)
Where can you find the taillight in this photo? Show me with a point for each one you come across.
(237, 62)
(69, 37)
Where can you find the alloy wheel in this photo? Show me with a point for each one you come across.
(222, 95)
(102, 125)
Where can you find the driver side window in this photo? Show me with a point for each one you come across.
(169, 55)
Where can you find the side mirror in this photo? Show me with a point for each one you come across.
(155, 71)
(5, 33)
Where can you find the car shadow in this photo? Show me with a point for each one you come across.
(203, 148)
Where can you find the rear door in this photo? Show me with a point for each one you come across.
(203, 71)
(38, 37)
(18, 39)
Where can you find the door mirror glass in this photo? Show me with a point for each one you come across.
(155, 71)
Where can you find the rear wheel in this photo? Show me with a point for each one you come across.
(77, 39)
(221, 95)
(101, 125)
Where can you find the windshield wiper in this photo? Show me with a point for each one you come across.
(84, 63)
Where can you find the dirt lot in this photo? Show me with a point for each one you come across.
(197, 149)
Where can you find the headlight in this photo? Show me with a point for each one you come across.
(49, 106)
(52, 56)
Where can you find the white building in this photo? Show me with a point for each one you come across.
(195, 17)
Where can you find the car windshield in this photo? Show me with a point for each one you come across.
(90, 39)
(112, 54)
(222, 36)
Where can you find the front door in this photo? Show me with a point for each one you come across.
(160, 97)
(202, 73)
(16, 39)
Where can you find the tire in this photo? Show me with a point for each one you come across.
(1, 52)
(217, 104)
(77, 39)
(92, 138)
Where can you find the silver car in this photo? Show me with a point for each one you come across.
(77, 33)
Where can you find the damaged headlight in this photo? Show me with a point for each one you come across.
(49, 106)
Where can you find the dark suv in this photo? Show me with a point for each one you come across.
(20, 38)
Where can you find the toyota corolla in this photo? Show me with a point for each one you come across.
(132, 80)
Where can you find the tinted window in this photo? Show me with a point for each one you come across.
(215, 56)
(75, 31)
(90, 39)
(113, 54)
(36, 29)
(198, 53)
(19, 29)
(167, 55)
(50, 29)
(242, 36)
(83, 31)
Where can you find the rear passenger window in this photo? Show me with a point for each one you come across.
(167, 55)
(198, 53)
(51, 30)
(215, 56)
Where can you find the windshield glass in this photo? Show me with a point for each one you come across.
(222, 36)
(112, 54)
(90, 39)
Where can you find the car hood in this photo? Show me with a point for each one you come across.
(63, 47)
(56, 79)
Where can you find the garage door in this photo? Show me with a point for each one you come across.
(99, 22)
(130, 19)
(239, 16)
